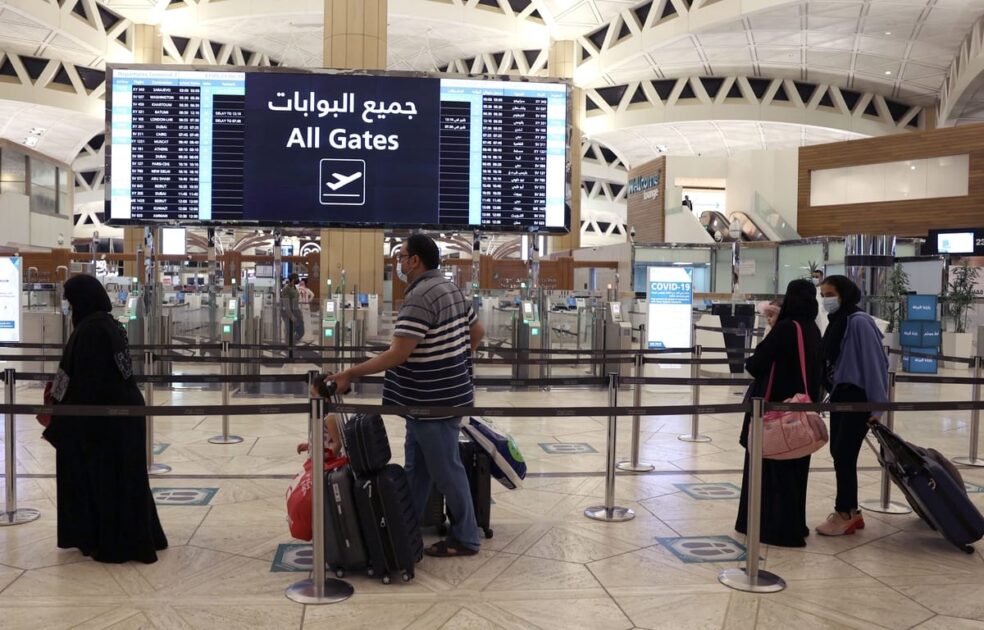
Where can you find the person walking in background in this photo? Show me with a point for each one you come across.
(290, 306)
(775, 365)
(105, 506)
(856, 370)
(689, 205)
(816, 277)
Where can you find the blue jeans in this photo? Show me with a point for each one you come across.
(432, 458)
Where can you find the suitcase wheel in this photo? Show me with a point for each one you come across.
(339, 573)
(386, 579)
(488, 533)
(406, 576)
(967, 549)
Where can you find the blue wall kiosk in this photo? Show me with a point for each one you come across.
(920, 335)
(670, 299)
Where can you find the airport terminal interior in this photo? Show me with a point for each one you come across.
(619, 189)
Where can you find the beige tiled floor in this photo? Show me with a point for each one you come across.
(547, 565)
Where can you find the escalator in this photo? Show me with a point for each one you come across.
(717, 225)
(749, 230)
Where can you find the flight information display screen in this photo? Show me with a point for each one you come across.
(300, 148)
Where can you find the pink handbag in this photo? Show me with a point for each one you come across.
(792, 434)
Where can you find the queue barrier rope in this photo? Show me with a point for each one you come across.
(939, 357)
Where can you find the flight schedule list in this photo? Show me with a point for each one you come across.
(164, 152)
(514, 161)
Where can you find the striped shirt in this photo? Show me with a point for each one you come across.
(438, 371)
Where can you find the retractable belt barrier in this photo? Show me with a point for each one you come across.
(730, 331)
(682, 380)
(939, 357)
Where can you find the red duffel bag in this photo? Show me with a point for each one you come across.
(299, 497)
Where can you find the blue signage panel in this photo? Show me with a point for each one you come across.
(921, 307)
(670, 298)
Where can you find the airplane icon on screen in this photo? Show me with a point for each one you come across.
(342, 180)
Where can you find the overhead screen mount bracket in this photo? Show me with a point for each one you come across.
(329, 149)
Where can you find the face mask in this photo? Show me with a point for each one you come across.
(816, 282)
(66, 308)
(831, 304)
(399, 272)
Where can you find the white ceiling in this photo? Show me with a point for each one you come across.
(899, 48)
(65, 131)
(719, 138)
(902, 48)
(22, 34)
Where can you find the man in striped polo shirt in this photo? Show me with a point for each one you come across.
(428, 363)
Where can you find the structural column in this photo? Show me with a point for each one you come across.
(561, 62)
(147, 48)
(355, 37)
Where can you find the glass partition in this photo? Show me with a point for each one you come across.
(699, 257)
(762, 212)
(13, 171)
(724, 269)
(757, 271)
(796, 260)
(43, 187)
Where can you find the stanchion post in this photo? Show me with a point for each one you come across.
(694, 435)
(751, 579)
(152, 467)
(634, 465)
(225, 438)
(12, 515)
(610, 512)
(884, 504)
(318, 589)
(972, 458)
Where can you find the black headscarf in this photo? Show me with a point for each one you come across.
(87, 296)
(850, 298)
(800, 301)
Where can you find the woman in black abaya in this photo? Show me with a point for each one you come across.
(105, 506)
(784, 482)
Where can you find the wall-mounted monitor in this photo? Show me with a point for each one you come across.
(173, 242)
(268, 146)
(956, 241)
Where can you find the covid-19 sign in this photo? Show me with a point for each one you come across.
(670, 298)
(10, 298)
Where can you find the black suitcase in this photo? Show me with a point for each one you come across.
(389, 523)
(478, 466)
(345, 549)
(935, 493)
(366, 444)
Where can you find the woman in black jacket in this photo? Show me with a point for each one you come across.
(784, 482)
(105, 506)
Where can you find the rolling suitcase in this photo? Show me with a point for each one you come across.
(478, 466)
(389, 523)
(935, 493)
(366, 443)
(345, 549)
(386, 515)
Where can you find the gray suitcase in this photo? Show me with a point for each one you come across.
(345, 549)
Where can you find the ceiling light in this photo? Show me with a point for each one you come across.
(888, 32)
(888, 72)
(31, 141)
(37, 131)
(912, 168)
(661, 148)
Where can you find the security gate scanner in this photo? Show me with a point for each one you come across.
(528, 336)
(612, 333)
(132, 320)
(230, 321)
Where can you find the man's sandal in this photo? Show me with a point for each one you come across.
(449, 549)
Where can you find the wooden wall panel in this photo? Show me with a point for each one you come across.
(902, 218)
(645, 205)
